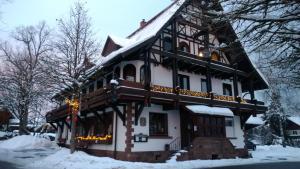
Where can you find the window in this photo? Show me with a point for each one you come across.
(203, 85)
(201, 52)
(158, 124)
(295, 132)
(215, 56)
(91, 88)
(184, 82)
(227, 91)
(184, 47)
(167, 44)
(108, 78)
(99, 84)
(142, 74)
(117, 73)
(83, 91)
(129, 73)
(229, 122)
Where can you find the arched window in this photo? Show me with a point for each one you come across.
(117, 73)
(184, 47)
(167, 44)
(142, 74)
(129, 73)
(215, 56)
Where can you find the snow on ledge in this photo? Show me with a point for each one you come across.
(255, 120)
(201, 109)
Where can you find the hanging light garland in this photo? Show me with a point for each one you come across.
(95, 138)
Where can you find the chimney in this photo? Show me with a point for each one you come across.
(143, 23)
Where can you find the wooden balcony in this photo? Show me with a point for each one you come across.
(132, 91)
(58, 113)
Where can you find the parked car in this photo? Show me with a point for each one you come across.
(250, 145)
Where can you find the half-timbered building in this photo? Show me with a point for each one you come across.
(175, 83)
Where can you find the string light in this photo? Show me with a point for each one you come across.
(94, 138)
(164, 89)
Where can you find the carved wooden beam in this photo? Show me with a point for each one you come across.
(138, 112)
(119, 113)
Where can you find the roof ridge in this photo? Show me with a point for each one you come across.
(152, 19)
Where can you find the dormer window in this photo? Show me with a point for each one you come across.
(184, 47)
(129, 73)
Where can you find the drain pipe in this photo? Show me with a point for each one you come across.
(116, 133)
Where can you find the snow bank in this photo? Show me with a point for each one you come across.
(25, 142)
(2, 134)
(62, 159)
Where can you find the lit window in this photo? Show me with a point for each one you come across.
(215, 56)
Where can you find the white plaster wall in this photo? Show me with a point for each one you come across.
(154, 144)
(161, 76)
(237, 135)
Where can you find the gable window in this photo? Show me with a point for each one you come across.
(167, 44)
(203, 85)
(227, 89)
(129, 73)
(158, 124)
(91, 88)
(184, 47)
(142, 74)
(99, 84)
(184, 82)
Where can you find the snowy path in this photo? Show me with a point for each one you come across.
(36, 153)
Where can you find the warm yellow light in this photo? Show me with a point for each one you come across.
(200, 54)
(73, 103)
(95, 138)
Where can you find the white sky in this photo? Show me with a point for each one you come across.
(117, 17)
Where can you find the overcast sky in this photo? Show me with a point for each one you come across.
(117, 17)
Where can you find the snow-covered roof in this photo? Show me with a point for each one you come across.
(149, 31)
(201, 109)
(295, 119)
(120, 41)
(255, 120)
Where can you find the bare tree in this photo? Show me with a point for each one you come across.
(23, 83)
(75, 46)
(272, 26)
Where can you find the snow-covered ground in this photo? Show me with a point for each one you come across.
(35, 152)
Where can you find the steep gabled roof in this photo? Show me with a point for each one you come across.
(151, 30)
(295, 119)
(142, 35)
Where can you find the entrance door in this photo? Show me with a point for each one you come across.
(208, 126)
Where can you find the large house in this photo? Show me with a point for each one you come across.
(175, 83)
